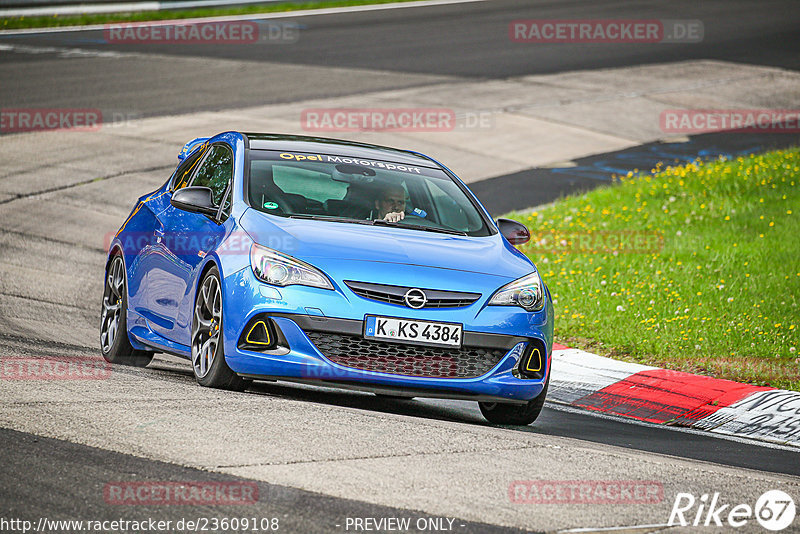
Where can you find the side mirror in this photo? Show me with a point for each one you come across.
(515, 232)
(195, 199)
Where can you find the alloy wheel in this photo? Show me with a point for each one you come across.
(206, 326)
(112, 304)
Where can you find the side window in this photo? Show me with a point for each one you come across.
(184, 171)
(215, 172)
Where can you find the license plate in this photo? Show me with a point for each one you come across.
(417, 332)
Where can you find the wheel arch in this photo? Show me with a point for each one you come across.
(210, 262)
(113, 251)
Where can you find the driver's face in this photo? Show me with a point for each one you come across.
(391, 203)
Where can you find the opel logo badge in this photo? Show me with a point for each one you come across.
(415, 298)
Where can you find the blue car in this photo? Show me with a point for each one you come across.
(281, 257)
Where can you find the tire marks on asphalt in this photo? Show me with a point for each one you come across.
(157, 168)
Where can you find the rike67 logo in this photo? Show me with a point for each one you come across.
(774, 510)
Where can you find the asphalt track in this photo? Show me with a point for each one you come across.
(28, 490)
(435, 457)
(417, 45)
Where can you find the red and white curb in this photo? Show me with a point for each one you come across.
(585, 380)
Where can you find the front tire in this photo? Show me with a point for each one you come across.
(114, 342)
(514, 414)
(208, 353)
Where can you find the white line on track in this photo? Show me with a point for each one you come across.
(67, 52)
(85, 9)
(254, 16)
(632, 528)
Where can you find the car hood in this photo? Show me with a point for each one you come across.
(313, 240)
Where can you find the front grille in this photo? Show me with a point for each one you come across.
(410, 360)
(396, 295)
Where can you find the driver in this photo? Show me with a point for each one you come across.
(391, 203)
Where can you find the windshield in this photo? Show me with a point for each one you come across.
(363, 191)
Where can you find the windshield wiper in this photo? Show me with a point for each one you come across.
(437, 229)
(328, 218)
(434, 229)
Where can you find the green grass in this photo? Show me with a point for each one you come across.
(14, 23)
(718, 296)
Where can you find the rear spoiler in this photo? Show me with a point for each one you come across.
(190, 147)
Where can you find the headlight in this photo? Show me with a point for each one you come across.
(272, 267)
(527, 292)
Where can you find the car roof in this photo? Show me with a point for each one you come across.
(335, 147)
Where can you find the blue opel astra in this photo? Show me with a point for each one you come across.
(328, 262)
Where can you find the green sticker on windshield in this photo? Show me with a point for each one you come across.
(271, 205)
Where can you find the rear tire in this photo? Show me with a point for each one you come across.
(114, 342)
(208, 352)
(514, 414)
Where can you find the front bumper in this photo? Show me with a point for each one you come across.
(496, 339)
